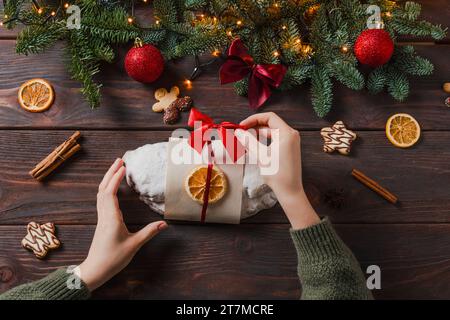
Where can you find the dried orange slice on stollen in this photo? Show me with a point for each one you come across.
(36, 95)
(195, 184)
(402, 130)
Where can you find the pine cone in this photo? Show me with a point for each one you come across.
(182, 104)
(171, 115)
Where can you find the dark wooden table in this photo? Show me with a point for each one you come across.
(410, 242)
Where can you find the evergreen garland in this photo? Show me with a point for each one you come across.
(314, 38)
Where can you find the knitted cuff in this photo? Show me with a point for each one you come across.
(318, 242)
(62, 285)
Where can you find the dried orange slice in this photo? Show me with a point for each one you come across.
(195, 184)
(402, 130)
(36, 95)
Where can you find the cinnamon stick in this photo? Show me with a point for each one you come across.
(61, 149)
(371, 184)
(58, 162)
(56, 157)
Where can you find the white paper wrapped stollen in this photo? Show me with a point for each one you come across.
(146, 174)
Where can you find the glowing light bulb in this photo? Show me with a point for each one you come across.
(344, 49)
(188, 83)
(6, 16)
(239, 22)
(284, 27)
(40, 11)
(66, 5)
(298, 41)
(307, 49)
(216, 53)
(229, 33)
(276, 53)
(130, 20)
(215, 19)
(1, 24)
(275, 5)
(157, 22)
(53, 13)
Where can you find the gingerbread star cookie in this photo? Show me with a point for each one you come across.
(40, 238)
(337, 138)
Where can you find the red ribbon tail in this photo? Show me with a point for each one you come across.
(258, 92)
(206, 194)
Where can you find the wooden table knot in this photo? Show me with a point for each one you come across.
(6, 274)
(336, 198)
(243, 245)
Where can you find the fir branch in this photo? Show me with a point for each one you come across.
(417, 28)
(377, 80)
(36, 39)
(417, 66)
(103, 52)
(408, 62)
(166, 11)
(321, 91)
(297, 75)
(201, 43)
(348, 75)
(398, 85)
(154, 36)
(195, 4)
(12, 9)
(109, 26)
(411, 11)
(241, 87)
(83, 66)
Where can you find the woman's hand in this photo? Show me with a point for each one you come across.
(113, 245)
(286, 181)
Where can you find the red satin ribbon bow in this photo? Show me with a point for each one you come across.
(262, 76)
(202, 124)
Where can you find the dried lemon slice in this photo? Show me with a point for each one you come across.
(36, 95)
(402, 130)
(195, 184)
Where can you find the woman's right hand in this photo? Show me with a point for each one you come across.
(286, 180)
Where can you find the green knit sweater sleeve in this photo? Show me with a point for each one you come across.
(53, 287)
(326, 266)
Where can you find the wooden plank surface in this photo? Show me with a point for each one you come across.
(127, 104)
(418, 176)
(242, 262)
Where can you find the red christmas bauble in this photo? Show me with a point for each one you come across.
(144, 62)
(374, 47)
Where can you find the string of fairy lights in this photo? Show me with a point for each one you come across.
(295, 44)
(40, 10)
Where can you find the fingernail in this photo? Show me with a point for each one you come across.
(162, 226)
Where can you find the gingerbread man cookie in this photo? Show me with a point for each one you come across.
(165, 98)
(40, 238)
(337, 138)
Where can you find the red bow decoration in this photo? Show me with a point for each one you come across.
(262, 76)
(202, 123)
